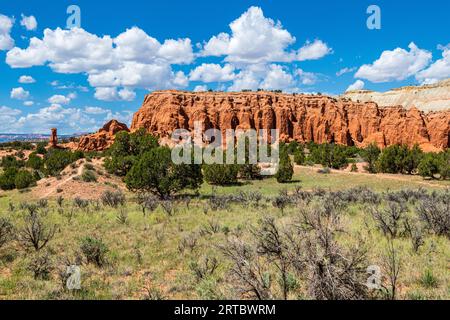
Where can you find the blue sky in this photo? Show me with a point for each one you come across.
(76, 79)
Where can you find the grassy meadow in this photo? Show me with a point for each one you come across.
(177, 250)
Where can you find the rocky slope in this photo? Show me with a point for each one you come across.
(434, 97)
(102, 139)
(300, 117)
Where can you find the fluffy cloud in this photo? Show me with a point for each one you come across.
(106, 94)
(96, 110)
(246, 80)
(8, 117)
(28, 103)
(6, 42)
(268, 77)
(26, 80)
(257, 39)
(60, 99)
(19, 93)
(313, 51)
(135, 45)
(116, 66)
(439, 70)
(67, 120)
(254, 38)
(28, 23)
(306, 78)
(66, 51)
(209, 72)
(112, 94)
(177, 51)
(127, 94)
(358, 85)
(277, 78)
(396, 65)
(6, 111)
(133, 74)
(201, 88)
(132, 59)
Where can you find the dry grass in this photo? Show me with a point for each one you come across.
(151, 256)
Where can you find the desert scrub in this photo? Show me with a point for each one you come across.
(88, 176)
(41, 265)
(36, 233)
(113, 199)
(94, 250)
(428, 280)
(6, 231)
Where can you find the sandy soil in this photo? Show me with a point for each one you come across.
(4, 153)
(70, 186)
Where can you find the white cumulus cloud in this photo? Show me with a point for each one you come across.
(106, 93)
(277, 78)
(61, 99)
(257, 39)
(6, 24)
(26, 79)
(210, 72)
(313, 51)
(396, 65)
(201, 88)
(65, 119)
(132, 59)
(6, 111)
(29, 23)
(358, 85)
(113, 94)
(268, 77)
(306, 78)
(19, 93)
(439, 70)
(127, 94)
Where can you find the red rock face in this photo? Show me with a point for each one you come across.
(103, 139)
(298, 117)
(53, 142)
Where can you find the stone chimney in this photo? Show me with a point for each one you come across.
(54, 138)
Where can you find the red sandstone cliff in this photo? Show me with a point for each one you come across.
(103, 139)
(300, 117)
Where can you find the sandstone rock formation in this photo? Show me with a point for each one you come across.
(300, 117)
(53, 142)
(435, 97)
(103, 139)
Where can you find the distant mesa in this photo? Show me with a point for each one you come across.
(433, 97)
(299, 117)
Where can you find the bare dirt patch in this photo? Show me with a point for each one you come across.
(70, 185)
